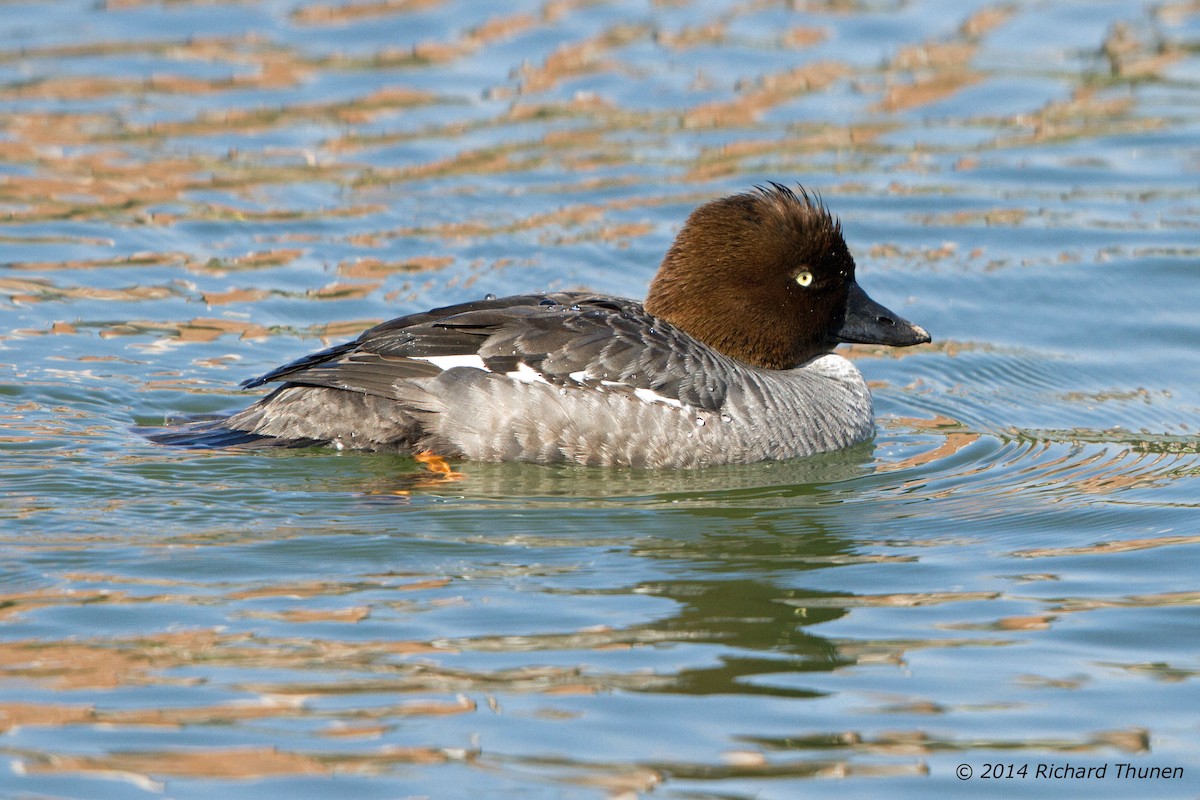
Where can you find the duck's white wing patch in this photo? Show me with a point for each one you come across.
(651, 396)
(522, 374)
(581, 377)
(525, 374)
(645, 395)
(450, 362)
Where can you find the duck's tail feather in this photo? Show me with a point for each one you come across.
(213, 434)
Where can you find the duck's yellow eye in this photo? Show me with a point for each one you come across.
(804, 278)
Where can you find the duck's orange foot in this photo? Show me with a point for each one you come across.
(438, 467)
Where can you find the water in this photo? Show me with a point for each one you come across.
(194, 193)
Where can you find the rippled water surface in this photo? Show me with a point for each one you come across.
(194, 192)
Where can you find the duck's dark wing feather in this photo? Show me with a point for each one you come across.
(380, 336)
(565, 338)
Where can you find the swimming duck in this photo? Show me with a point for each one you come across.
(729, 360)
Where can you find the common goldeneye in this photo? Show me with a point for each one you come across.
(730, 360)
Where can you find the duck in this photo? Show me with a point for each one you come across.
(729, 360)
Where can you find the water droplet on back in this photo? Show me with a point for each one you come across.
(699, 422)
(489, 296)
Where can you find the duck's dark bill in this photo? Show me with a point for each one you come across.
(867, 322)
